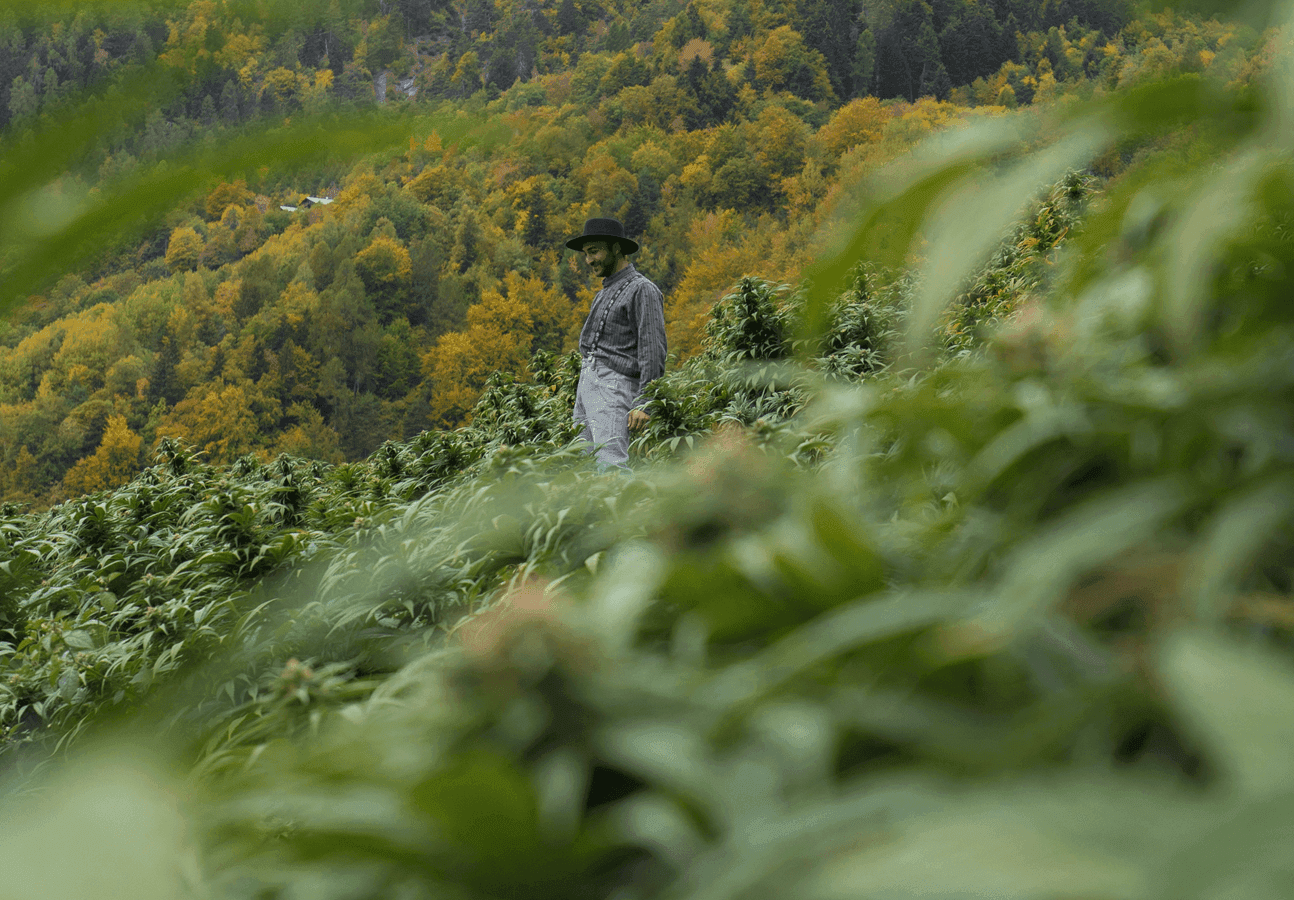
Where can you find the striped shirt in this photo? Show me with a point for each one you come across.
(626, 327)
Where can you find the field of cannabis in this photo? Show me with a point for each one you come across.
(960, 569)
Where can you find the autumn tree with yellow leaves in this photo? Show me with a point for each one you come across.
(115, 462)
(183, 250)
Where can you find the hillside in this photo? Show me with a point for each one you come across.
(719, 133)
(957, 565)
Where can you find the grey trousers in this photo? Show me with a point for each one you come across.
(602, 402)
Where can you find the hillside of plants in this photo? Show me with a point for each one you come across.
(158, 288)
(955, 559)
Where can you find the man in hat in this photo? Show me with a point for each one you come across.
(622, 344)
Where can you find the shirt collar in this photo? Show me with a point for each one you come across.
(619, 276)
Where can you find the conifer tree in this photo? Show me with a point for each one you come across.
(908, 62)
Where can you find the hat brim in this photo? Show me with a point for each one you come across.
(577, 243)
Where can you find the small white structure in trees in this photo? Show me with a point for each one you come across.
(307, 202)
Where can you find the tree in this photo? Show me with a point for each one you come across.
(309, 436)
(22, 98)
(908, 63)
(218, 418)
(162, 384)
(828, 28)
(426, 259)
(230, 102)
(183, 250)
(515, 48)
(436, 185)
(397, 366)
(497, 339)
(345, 328)
(207, 113)
(780, 139)
(554, 322)
(381, 45)
(569, 20)
(282, 87)
(467, 74)
(864, 64)
(476, 16)
(618, 37)
(972, 43)
(532, 200)
(224, 195)
(607, 186)
(741, 183)
(385, 268)
(859, 121)
(627, 70)
(784, 63)
(469, 239)
(115, 462)
(259, 285)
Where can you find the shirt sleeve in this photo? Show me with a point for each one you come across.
(649, 311)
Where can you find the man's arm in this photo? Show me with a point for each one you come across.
(649, 310)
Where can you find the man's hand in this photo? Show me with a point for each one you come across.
(637, 419)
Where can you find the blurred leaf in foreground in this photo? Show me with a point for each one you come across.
(107, 825)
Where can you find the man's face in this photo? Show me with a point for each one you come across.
(602, 257)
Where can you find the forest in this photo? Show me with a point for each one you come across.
(955, 558)
(719, 133)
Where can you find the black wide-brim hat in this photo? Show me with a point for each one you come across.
(603, 230)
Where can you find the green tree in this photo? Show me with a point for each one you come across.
(381, 45)
(23, 101)
(396, 370)
(908, 62)
(973, 44)
(258, 286)
(385, 268)
(828, 27)
(741, 183)
(569, 19)
(230, 102)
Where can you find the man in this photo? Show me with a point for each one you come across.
(622, 344)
